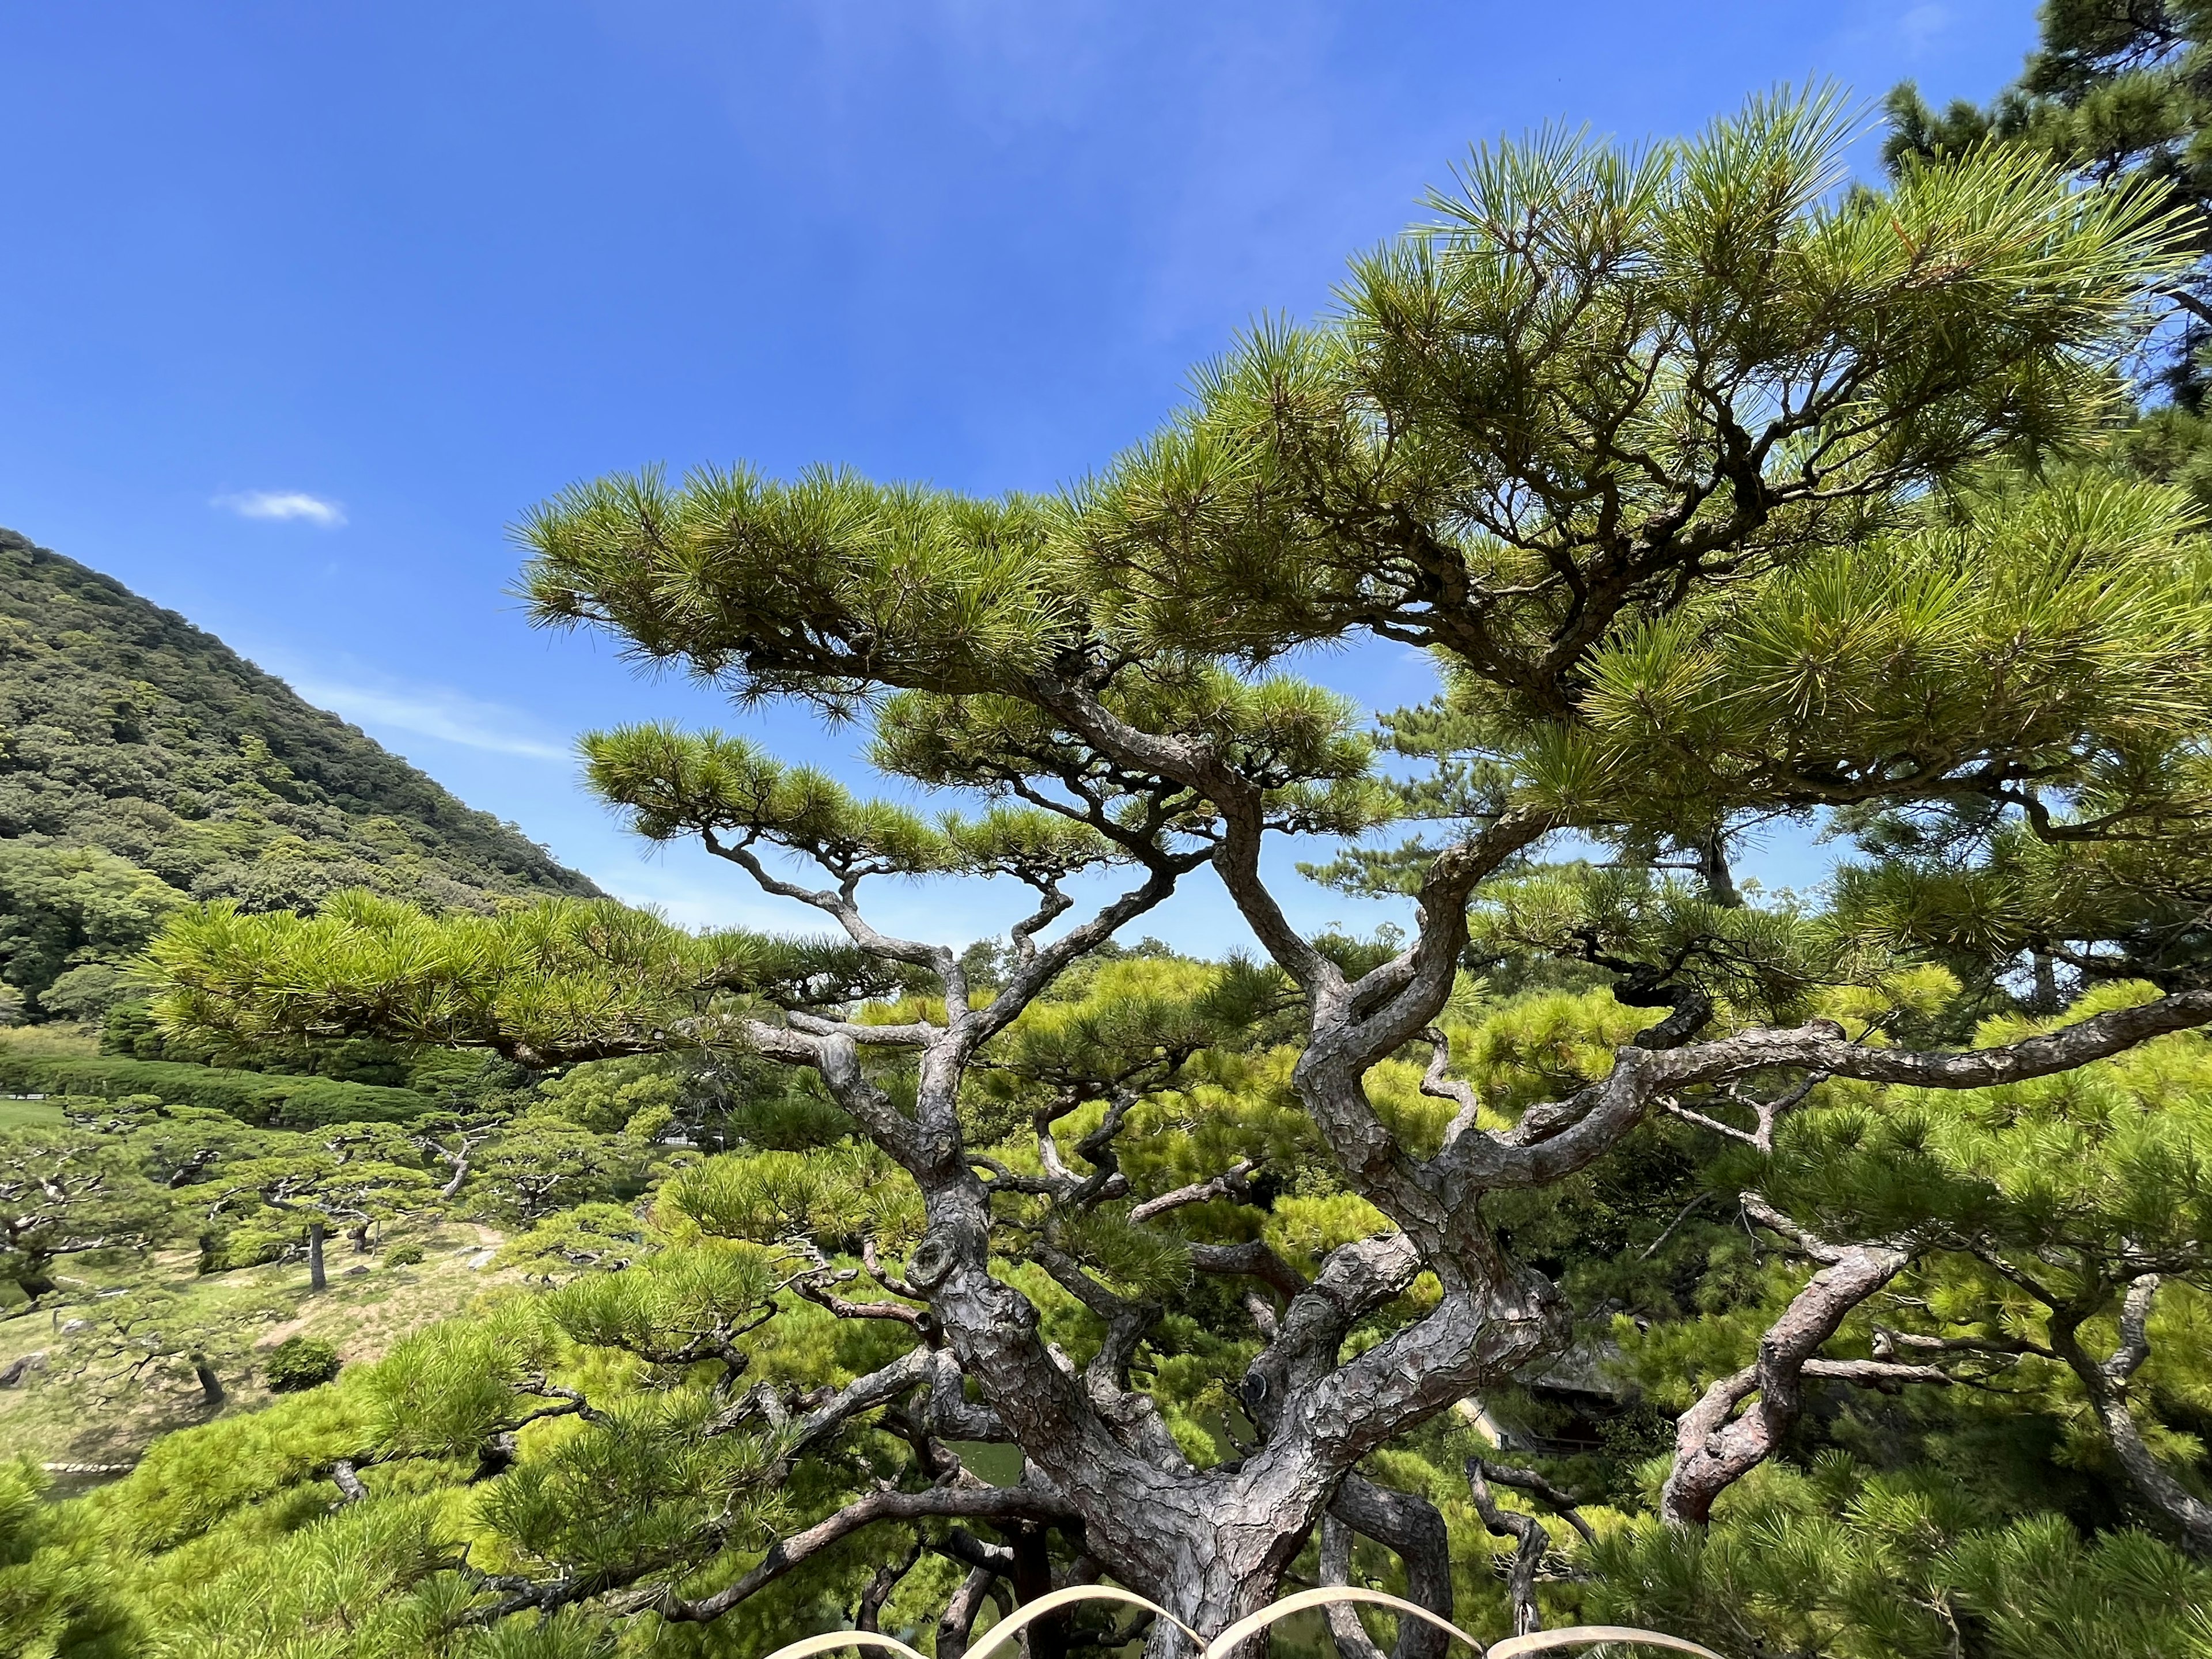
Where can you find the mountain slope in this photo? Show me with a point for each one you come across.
(143, 762)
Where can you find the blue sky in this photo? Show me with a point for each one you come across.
(303, 304)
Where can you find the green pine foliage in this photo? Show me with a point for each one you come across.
(2113, 92)
(58, 1599)
(551, 983)
(1846, 1560)
(1723, 495)
(66, 1191)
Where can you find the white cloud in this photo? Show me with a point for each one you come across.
(1921, 25)
(432, 711)
(283, 504)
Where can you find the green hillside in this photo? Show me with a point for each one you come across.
(145, 763)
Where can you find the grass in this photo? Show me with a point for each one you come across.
(29, 1114)
(53, 1420)
(42, 1042)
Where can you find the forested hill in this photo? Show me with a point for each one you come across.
(143, 762)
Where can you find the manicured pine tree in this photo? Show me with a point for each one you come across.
(348, 1178)
(113, 1345)
(71, 1190)
(1660, 455)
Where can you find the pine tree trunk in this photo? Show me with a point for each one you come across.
(1229, 1585)
(1032, 1578)
(316, 1281)
(210, 1384)
(1211, 1548)
(2046, 982)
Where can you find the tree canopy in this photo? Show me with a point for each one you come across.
(1721, 494)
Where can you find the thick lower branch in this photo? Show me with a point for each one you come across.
(1350, 1637)
(1413, 1528)
(957, 1622)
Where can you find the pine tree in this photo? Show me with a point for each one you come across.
(144, 1336)
(348, 1179)
(2116, 90)
(1684, 465)
(69, 1191)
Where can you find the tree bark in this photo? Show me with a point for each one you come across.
(1713, 871)
(868, 1615)
(957, 1622)
(1713, 1447)
(1209, 1545)
(1530, 1543)
(316, 1281)
(1350, 1637)
(1413, 1528)
(210, 1384)
(1032, 1578)
(2046, 982)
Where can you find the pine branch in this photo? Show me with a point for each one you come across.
(1714, 1448)
(977, 1503)
(1565, 1505)
(1598, 1116)
(2107, 1383)
(1531, 1543)
(1232, 1182)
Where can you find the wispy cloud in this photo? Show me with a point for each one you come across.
(433, 712)
(1920, 26)
(283, 504)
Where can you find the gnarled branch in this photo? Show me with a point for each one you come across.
(1714, 1447)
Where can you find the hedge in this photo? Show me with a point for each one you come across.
(268, 1100)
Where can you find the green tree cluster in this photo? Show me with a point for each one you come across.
(111, 1177)
(143, 764)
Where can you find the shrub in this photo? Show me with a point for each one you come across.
(264, 1100)
(403, 1256)
(225, 1249)
(300, 1361)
